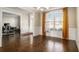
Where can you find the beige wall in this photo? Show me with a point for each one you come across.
(0, 28)
(37, 24)
(72, 17)
(37, 19)
(77, 41)
(72, 23)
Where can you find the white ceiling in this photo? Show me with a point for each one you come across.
(9, 14)
(35, 9)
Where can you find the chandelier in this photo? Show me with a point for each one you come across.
(42, 8)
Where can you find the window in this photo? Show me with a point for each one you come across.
(54, 20)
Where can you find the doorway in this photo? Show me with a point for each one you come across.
(10, 24)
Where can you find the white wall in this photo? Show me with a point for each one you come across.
(72, 23)
(37, 24)
(77, 41)
(72, 17)
(24, 24)
(31, 22)
(0, 27)
(41, 23)
(13, 21)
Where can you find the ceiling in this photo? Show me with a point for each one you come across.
(35, 9)
(39, 9)
(5, 14)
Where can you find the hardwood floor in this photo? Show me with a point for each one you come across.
(17, 43)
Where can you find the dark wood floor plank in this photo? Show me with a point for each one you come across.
(17, 43)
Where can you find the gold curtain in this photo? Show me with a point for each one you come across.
(65, 23)
(43, 23)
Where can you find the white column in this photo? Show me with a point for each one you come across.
(0, 28)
